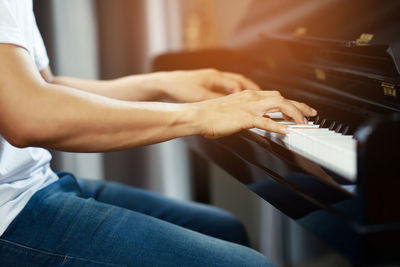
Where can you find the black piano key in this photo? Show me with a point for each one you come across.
(348, 130)
(351, 130)
(339, 128)
(317, 120)
(311, 119)
(345, 130)
(332, 125)
(325, 123)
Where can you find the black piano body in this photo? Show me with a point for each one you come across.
(354, 82)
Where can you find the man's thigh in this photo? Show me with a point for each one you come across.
(191, 215)
(61, 226)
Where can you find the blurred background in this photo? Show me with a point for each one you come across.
(102, 39)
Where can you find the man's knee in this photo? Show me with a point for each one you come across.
(226, 226)
(242, 256)
(236, 230)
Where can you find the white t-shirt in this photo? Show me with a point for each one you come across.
(22, 171)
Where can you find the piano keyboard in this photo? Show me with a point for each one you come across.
(330, 149)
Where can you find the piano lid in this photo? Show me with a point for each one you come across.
(347, 55)
(334, 23)
(351, 46)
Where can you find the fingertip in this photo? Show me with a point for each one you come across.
(313, 112)
(285, 130)
(237, 90)
(255, 87)
(302, 120)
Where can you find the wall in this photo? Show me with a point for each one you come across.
(75, 54)
(131, 34)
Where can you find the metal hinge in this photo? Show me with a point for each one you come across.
(300, 31)
(389, 89)
(364, 39)
(320, 74)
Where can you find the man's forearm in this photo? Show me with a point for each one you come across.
(67, 119)
(144, 87)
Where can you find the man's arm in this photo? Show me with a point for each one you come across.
(36, 113)
(177, 86)
(132, 88)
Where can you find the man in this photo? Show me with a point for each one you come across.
(53, 219)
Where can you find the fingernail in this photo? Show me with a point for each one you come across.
(313, 111)
(305, 121)
(286, 130)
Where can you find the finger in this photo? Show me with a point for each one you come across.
(270, 125)
(288, 109)
(305, 109)
(226, 86)
(286, 118)
(211, 94)
(252, 94)
(277, 117)
(270, 93)
(245, 83)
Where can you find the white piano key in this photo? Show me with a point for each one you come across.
(289, 123)
(275, 115)
(332, 150)
(304, 126)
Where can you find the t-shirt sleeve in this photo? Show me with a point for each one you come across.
(41, 58)
(10, 33)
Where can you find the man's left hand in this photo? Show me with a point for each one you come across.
(204, 84)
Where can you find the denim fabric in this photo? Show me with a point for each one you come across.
(91, 223)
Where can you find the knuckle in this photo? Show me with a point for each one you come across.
(241, 77)
(204, 95)
(280, 99)
(235, 88)
(248, 93)
(252, 93)
(303, 106)
(275, 92)
(212, 71)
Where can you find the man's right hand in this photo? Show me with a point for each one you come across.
(244, 110)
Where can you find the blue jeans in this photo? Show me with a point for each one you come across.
(90, 223)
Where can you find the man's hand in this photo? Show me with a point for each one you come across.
(203, 84)
(244, 110)
(175, 86)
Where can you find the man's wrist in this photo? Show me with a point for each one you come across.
(167, 84)
(156, 83)
(190, 120)
(142, 87)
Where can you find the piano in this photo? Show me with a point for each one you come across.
(339, 175)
